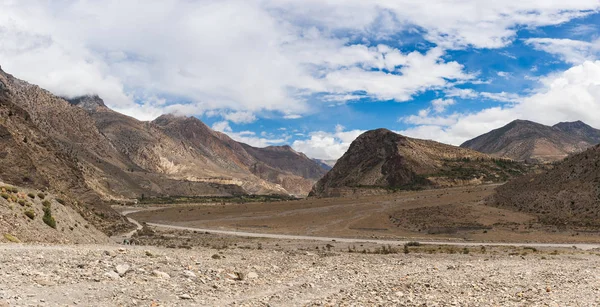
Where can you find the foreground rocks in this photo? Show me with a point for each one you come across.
(104, 275)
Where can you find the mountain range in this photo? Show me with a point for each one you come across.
(91, 154)
(532, 142)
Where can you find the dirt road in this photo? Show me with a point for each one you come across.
(385, 242)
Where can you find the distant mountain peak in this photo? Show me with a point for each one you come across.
(528, 140)
(90, 103)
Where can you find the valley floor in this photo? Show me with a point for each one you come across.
(257, 272)
(452, 214)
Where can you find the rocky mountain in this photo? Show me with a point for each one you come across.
(567, 195)
(528, 141)
(47, 144)
(120, 157)
(325, 164)
(383, 160)
(581, 130)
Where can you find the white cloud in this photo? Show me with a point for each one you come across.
(292, 116)
(247, 137)
(503, 74)
(327, 145)
(240, 117)
(571, 51)
(568, 96)
(274, 56)
(440, 105)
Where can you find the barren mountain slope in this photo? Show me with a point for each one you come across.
(528, 141)
(383, 159)
(580, 129)
(277, 168)
(33, 155)
(569, 194)
(28, 215)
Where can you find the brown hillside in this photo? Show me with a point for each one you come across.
(567, 195)
(528, 141)
(381, 159)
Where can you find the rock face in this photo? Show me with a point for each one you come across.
(569, 194)
(528, 141)
(380, 159)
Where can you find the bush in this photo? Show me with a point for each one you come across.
(46, 203)
(5, 196)
(22, 202)
(60, 201)
(11, 238)
(30, 214)
(413, 243)
(31, 195)
(41, 195)
(48, 218)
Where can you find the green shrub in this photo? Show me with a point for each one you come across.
(48, 218)
(60, 201)
(5, 196)
(11, 238)
(41, 195)
(46, 203)
(31, 195)
(30, 214)
(22, 202)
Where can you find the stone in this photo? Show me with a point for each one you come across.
(160, 274)
(252, 275)
(112, 275)
(189, 274)
(185, 297)
(122, 269)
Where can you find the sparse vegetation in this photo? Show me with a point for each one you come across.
(29, 213)
(11, 238)
(48, 218)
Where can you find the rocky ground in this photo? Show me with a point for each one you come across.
(282, 273)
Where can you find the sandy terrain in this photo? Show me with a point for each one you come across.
(446, 214)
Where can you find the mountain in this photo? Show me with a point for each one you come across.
(580, 129)
(380, 160)
(89, 154)
(325, 164)
(567, 195)
(528, 141)
(41, 147)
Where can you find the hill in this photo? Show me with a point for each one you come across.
(580, 129)
(529, 141)
(568, 194)
(383, 160)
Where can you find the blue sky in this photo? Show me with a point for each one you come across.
(316, 74)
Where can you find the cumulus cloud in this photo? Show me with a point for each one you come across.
(568, 96)
(568, 50)
(274, 57)
(327, 145)
(248, 137)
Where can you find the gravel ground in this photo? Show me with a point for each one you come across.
(109, 275)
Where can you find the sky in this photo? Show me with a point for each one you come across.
(315, 74)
